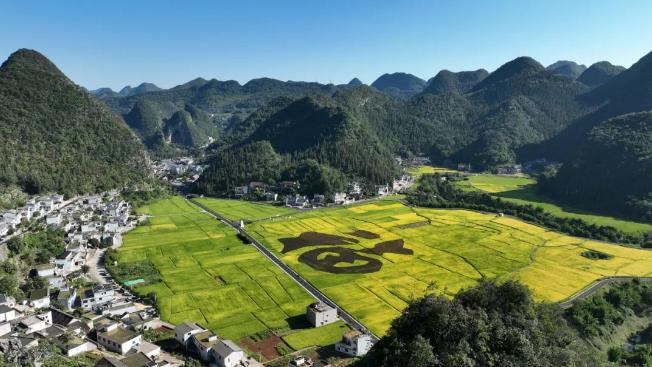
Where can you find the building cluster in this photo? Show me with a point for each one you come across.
(35, 208)
(178, 171)
(115, 332)
(211, 348)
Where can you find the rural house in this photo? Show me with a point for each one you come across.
(227, 354)
(320, 314)
(39, 298)
(118, 339)
(92, 298)
(184, 331)
(354, 343)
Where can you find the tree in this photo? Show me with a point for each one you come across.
(85, 268)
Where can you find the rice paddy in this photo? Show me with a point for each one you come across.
(247, 210)
(440, 252)
(210, 277)
(520, 190)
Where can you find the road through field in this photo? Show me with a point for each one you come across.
(345, 316)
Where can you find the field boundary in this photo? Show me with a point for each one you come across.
(302, 282)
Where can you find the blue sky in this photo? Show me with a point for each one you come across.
(114, 42)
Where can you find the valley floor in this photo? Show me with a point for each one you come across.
(371, 258)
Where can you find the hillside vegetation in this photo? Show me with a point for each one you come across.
(56, 137)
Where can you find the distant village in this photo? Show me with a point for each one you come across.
(178, 171)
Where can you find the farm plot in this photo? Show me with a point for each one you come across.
(374, 258)
(240, 209)
(209, 276)
(521, 190)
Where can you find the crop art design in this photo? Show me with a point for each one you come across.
(337, 259)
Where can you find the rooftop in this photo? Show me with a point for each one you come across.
(320, 307)
(206, 338)
(119, 335)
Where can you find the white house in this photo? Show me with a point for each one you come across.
(45, 270)
(204, 342)
(382, 190)
(94, 297)
(7, 313)
(227, 354)
(4, 229)
(118, 339)
(339, 198)
(184, 331)
(320, 314)
(53, 220)
(355, 189)
(148, 349)
(111, 227)
(7, 300)
(39, 298)
(297, 201)
(354, 343)
(5, 328)
(36, 323)
(68, 262)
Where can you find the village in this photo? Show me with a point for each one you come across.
(81, 309)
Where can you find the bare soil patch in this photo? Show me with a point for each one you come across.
(266, 347)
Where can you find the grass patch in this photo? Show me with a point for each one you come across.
(321, 336)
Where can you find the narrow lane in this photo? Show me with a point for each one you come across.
(305, 284)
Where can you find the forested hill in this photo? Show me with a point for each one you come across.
(612, 170)
(312, 140)
(57, 137)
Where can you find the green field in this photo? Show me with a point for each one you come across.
(418, 251)
(209, 276)
(240, 209)
(417, 171)
(521, 190)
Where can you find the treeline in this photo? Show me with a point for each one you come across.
(487, 325)
(438, 191)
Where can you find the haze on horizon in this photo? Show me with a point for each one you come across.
(120, 43)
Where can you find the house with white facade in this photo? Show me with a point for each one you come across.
(185, 330)
(118, 339)
(7, 313)
(320, 314)
(92, 298)
(227, 354)
(39, 298)
(354, 343)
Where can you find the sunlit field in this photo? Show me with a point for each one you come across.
(374, 258)
(521, 190)
(240, 209)
(209, 276)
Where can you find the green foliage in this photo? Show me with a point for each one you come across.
(489, 325)
(447, 81)
(56, 137)
(612, 170)
(599, 73)
(37, 247)
(602, 312)
(596, 255)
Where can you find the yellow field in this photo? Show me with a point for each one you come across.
(209, 276)
(450, 250)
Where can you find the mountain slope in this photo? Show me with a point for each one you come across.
(599, 73)
(57, 137)
(128, 91)
(399, 85)
(569, 69)
(612, 170)
(448, 81)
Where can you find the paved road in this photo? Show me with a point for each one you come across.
(596, 286)
(316, 293)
